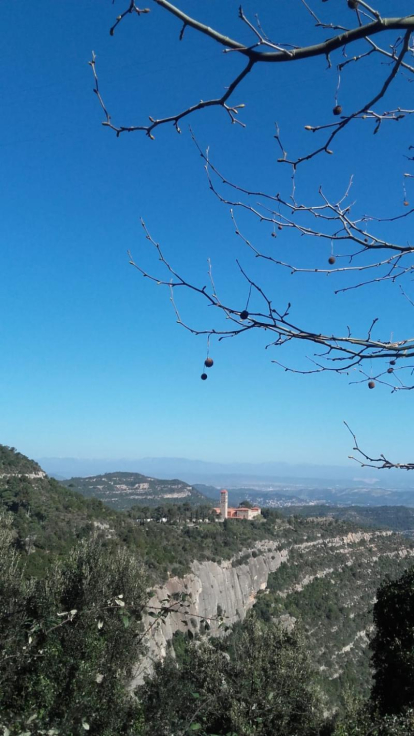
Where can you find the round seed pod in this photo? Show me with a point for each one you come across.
(337, 110)
(203, 376)
(371, 384)
(208, 362)
(331, 260)
(244, 314)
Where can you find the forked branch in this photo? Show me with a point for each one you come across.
(380, 463)
(263, 50)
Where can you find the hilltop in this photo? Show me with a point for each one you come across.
(14, 463)
(47, 518)
(124, 490)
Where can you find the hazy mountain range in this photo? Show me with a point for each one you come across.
(278, 476)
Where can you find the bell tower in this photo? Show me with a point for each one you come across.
(224, 504)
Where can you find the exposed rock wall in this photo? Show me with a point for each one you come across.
(229, 590)
(18, 474)
(212, 590)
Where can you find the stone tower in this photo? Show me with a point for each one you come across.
(224, 504)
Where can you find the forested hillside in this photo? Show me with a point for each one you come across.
(123, 490)
(331, 589)
(13, 462)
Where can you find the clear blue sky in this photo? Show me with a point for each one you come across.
(92, 362)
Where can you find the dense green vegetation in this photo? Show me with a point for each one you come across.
(47, 518)
(332, 594)
(393, 645)
(70, 641)
(390, 710)
(12, 461)
(261, 686)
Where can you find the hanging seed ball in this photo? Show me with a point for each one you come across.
(208, 362)
(331, 260)
(353, 4)
(392, 362)
(203, 376)
(390, 370)
(405, 203)
(244, 314)
(337, 110)
(371, 384)
(279, 227)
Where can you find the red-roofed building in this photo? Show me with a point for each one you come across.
(242, 512)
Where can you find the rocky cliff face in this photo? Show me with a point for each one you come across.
(18, 473)
(211, 591)
(229, 589)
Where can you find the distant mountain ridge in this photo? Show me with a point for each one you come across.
(230, 474)
(122, 490)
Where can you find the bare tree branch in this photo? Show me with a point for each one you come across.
(232, 111)
(342, 353)
(278, 53)
(357, 246)
(380, 463)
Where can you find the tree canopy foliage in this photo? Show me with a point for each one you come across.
(393, 645)
(70, 641)
(264, 687)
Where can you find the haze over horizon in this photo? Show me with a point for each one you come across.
(200, 471)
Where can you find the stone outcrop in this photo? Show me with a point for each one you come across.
(212, 591)
(31, 476)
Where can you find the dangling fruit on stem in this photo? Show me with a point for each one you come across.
(337, 110)
(331, 260)
(204, 376)
(208, 362)
(371, 384)
(244, 314)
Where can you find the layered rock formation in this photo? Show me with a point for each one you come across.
(223, 593)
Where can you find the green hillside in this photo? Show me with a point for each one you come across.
(14, 462)
(397, 518)
(47, 518)
(123, 490)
